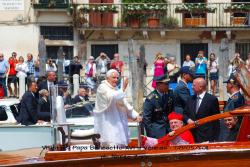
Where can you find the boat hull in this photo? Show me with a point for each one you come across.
(182, 159)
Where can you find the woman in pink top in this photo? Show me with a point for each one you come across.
(159, 65)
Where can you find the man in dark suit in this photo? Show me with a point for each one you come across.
(157, 106)
(28, 109)
(81, 97)
(51, 79)
(199, 106)
(182, 93)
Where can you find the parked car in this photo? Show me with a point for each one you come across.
(78, 116)
(8, 111)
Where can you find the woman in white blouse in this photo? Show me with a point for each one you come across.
(21, 67)
(188, 62)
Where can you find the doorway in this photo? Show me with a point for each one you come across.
(110, 50)
(192, 49)
(52, 52)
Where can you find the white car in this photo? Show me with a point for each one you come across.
(8, 111)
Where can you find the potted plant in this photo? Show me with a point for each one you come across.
(138, 11)
(241, 9)
(155, 11)
(96, 14)
(169, 22)
(197, 11)
(131, 13)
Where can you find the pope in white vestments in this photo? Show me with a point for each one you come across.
(111, 112)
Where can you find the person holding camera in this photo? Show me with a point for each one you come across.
(90, 73)
(50, 66)
(102, 66)
(200, 65)
(4, 69)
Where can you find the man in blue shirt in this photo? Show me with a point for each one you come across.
(4, 69)
(31, 67)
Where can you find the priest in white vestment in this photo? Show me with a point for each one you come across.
(112, 111)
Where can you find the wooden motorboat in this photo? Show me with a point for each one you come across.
(203, 154)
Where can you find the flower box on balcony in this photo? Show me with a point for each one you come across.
(237, 8)
(239, 20)
(195, 22)
(193, 11)
(195, 8)
(97, 8)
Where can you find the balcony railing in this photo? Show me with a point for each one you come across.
(50, 4)
(159, 16)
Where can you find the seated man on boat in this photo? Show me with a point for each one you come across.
(176, 122)
(43, 107)
(235, 100)
(233, 126)
(111, 112)
(80, 99)
(28, 109)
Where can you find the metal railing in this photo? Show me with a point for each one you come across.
(50, 4)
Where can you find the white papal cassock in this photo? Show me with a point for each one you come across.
(111, 114)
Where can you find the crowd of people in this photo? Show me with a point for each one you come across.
(15, 67)
(35, 105)
(202, 66)
(163, 105)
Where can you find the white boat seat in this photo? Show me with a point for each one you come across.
(82, 133)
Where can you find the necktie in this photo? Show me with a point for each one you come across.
(197, 104)
(164, 98)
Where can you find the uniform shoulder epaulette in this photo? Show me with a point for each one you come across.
(234, 97)
(152, 95)
(170, 91)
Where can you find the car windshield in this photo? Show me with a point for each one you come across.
(80, 111)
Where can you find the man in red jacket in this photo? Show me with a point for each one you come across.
(175, 122)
